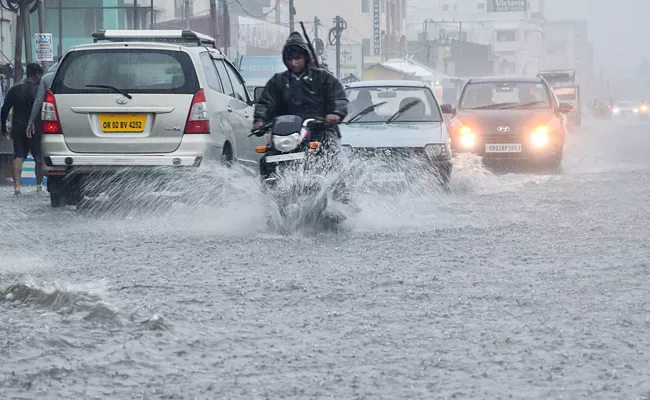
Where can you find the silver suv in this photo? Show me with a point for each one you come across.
(142, 99)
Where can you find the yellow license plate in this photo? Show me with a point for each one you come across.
(122, 122)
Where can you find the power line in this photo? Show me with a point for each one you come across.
(238, 2)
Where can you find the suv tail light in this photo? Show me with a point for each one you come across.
(197, 121)
(49, 115)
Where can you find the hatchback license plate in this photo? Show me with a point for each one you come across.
(503, 148)
(122, 122)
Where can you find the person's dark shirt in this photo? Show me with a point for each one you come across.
(21, 98)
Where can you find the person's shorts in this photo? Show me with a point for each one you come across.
(24, 145)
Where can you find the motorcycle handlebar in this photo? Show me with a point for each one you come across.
(266, 127)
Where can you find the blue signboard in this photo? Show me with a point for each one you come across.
(261, 67)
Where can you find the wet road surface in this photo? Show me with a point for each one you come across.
(525, 286)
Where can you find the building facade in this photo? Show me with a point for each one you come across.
(514, 29)
(377, 26)
(568, 47)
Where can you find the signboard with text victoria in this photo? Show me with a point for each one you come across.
(508, 5)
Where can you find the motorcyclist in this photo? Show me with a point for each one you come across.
(303, 90)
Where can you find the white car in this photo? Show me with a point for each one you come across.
(397, 121)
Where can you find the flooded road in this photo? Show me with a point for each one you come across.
(523, 286)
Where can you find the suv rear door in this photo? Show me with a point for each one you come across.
(242, 110)
(162, 83)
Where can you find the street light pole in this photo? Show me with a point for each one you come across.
(291, 16)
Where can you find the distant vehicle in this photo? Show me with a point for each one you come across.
(510, 119)
(391, 121)
(642, 110)
(602, 107)
(567, 90)
(625, 108)
(146, 99)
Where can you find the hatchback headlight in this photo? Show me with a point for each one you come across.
(286, 143)
(434, 150)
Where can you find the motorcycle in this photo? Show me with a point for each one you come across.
(294, 166)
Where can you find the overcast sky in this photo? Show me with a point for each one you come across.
(619, 29)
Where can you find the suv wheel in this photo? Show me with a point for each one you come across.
(57, 192)
(64, 191)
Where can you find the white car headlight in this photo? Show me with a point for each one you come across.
(286, 143)
(616, 110)
(434, 150)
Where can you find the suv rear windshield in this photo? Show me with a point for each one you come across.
(130, 70)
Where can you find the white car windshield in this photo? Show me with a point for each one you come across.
(504, 95)
(388, 100)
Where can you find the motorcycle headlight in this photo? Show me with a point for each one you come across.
(286, 143)
(434, 150)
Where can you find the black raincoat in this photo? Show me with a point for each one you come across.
(314, 93)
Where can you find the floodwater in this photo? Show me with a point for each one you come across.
(515, 285)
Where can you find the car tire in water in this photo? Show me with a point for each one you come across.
(555, 161)
(226, 156)
(57, 193)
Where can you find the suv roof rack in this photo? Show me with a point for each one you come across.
(184, 36)
(559, 75)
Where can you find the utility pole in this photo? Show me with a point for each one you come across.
(41, 24)
(316, 24)
(18, 51)
(213, 18)
(153, 16)
(291, 14)
(187, 14)
(27, 25)
(226, 27)
(135, 14)
(60, 46)
(335, 39)
(426, 43)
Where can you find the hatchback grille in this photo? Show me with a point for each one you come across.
(503, 138)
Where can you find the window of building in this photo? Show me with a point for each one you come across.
(365, 6)
(455, 6)
(444, 7)
(481, 6)
(507, 36)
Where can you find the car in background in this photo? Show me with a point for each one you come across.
(602, 107)
(394, 123)
(567, 89)
(625, 108)
(510, 119)
(146, 100)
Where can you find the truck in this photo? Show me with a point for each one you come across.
(567, 89)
